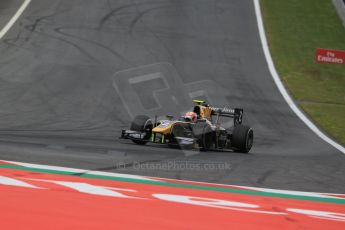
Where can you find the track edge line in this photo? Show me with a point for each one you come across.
(14, 18)
(282, 88)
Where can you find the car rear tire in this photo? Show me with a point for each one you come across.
(143, 124)
(242, 138)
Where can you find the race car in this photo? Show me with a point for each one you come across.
(199, 129)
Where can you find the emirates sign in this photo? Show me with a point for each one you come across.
(330, 56)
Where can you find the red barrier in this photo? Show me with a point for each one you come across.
(330, 56)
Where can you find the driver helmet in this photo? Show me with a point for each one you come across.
(191, 116)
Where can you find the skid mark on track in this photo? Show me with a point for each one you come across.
(106, 48)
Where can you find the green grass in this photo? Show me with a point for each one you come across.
(295, 28)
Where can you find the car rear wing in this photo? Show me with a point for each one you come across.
(235, 113)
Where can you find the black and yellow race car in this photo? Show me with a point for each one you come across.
(204, 131)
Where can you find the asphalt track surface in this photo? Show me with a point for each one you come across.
(74, 72)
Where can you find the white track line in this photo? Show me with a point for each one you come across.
(160, 179)
(78, 171)
(280, 85)
(14, 18)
